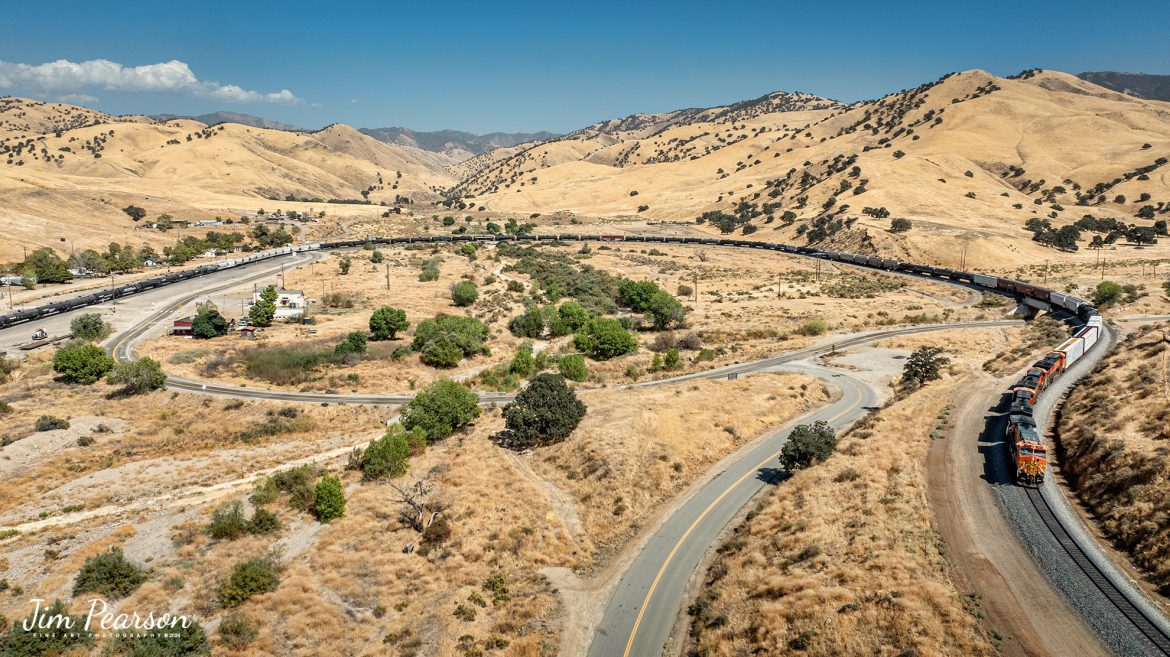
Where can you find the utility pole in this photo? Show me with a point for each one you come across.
(282, 285)
(696, 279)
(1046, 271)
(1102, 268)
(387, 277)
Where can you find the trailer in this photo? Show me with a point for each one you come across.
(1073, 349)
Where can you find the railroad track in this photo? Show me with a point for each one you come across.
(1136, 615)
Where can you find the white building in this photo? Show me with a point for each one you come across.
(289, 303)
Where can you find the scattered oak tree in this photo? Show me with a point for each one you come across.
(545, 412)
(386, 322)
(925, 364)
(440, 409)
(139, 376)
(82, 363)
(808, 444)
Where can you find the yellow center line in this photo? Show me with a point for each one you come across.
(687, 533)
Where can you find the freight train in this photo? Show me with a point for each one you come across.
(1026, 445)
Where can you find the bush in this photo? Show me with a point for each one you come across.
(354, 343)
(236, 631)
(263, 522)
(522, 364)
(20, 643)
(83, 363)
(604, 338)
(377, 258)
(386, 322)
(808, 444)
(529, 325)
(330, 499)
(900, 225)
(51, 423)
(671, 360)
(298, 483)
(464, 293)
(440, 409)
(573, 367)
(110, 574)
(545, 412)
(227, 522)
(1107, 292)
(449, 338)
(139, 376)
(573, 315)
(344, 264)
(249, 578)
(90, 327)
(813, 327)
(389, 456)
(190, 641)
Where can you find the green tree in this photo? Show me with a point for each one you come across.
(440, 409)
(208, 323)
(389, 456)
(900, 225)
(44, 266)
(330, 502)
(82, 363)
(138, 376)
(664, 310)
(604, 338)
(1107, 293)
(354, 343)
(110, 574)
(808, 444)
(444, 340)
(573, 367)
(441, 351)
(90, 327)
(545, 412)
(573, 315)
(134, 212)
(386, 322)
(925, 364)
(464, 293)
(263, 311)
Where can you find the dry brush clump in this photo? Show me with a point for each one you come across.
(842, 559)
(1112, 433)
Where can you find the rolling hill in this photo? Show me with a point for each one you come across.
(455, 144)
(66, 172)
(1142, 85)
(968, 159)
(231, 117)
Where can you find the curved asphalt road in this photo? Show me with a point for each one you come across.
(646, 602)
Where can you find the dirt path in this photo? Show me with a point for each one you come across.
(1019, 602)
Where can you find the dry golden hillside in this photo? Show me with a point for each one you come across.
(1112, 433)
(956, 157)
(20, 117)
(72, 180)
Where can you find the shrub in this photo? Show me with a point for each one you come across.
(573, 367)
(522, 364)
(529, 325)
(227, 522)
(20, 643)
(900, 225)
(808, 444)
(354, 343)
(386, 322)
(180, 641)
(440, 409)
(813, 327)
(446, 334)
(283, 365)
(138, 376)
(90, 327)
(236, 631)
(1107, 292)
(7, 367)
(646, 297)
(344, 264)
(545, 412)
(604, 338)
(389, 456)
(263, 522)
(298, 482)
(110, 574)
(82, 363)
(573, 315)
(51, 423)
(376, 257)
(464, 293)
(330, 499)
(671, 360)
(249, 578)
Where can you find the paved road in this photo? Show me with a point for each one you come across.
(647, 600)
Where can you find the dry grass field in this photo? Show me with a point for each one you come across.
(348, 587)
(842, 559)
(1112, 434)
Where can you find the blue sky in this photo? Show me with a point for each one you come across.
(539, 66)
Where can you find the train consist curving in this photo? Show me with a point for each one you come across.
(1023, 438)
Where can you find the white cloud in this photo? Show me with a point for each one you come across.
(76, 99)
(66, 77)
